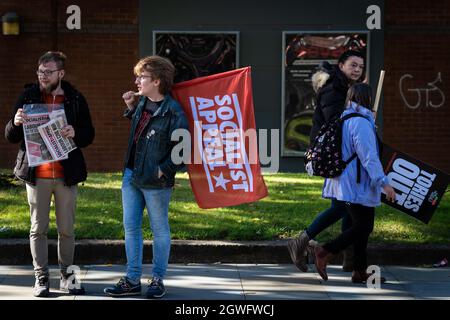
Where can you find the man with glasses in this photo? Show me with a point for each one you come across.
(59, 178)
(149, 173)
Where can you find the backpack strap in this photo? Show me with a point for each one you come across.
(351, 158)
(358, 164)
(353, 115)
(358, 171)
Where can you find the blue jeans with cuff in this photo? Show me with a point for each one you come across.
(156, 201)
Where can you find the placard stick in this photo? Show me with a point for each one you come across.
(380, 87)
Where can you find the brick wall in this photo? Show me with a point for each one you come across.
(417, 38)
(100, 60)
(101, 56)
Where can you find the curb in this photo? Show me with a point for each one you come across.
(17, 251)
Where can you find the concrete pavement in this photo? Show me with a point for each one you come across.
(241, 282)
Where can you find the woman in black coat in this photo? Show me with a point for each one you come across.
(331, 84)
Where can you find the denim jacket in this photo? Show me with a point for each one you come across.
(154, 147)
(358, 135)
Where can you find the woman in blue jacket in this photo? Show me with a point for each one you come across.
(358, 135)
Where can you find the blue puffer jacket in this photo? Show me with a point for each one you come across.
(154, 148)
(358, 135)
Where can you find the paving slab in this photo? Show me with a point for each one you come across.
(340, 287)
(423, 283)
(204, 282)
(429, 290)
(405, 273)
(279, 282)
(240, 282)
(19, 280)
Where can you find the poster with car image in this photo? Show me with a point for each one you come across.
(302, 54)
(419, 186)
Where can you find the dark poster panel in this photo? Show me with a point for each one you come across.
(302, 54)
(419, 186)
(198, 54)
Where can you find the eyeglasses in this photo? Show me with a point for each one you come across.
(139, 78)
(47, 73)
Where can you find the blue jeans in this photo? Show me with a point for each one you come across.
(157, 202)
(337, 211)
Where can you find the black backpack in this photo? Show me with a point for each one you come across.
(325, 154)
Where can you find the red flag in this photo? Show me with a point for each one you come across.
(224, 168)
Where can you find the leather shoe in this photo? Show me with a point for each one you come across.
(322, 256)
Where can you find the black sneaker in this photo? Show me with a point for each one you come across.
(156, 289)
(41, 287)
(123, 288)
(72, 286)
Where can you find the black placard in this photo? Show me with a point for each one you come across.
(419, 186)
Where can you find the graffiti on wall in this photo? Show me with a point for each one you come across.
(430, 96)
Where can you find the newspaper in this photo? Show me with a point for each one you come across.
(58, 146)
(37, 115)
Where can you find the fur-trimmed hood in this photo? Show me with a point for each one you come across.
(321, 77)
(331, 86)
(328, 73)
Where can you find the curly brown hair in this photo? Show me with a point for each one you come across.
(160, 69)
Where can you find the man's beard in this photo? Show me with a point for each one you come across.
(49, 88)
